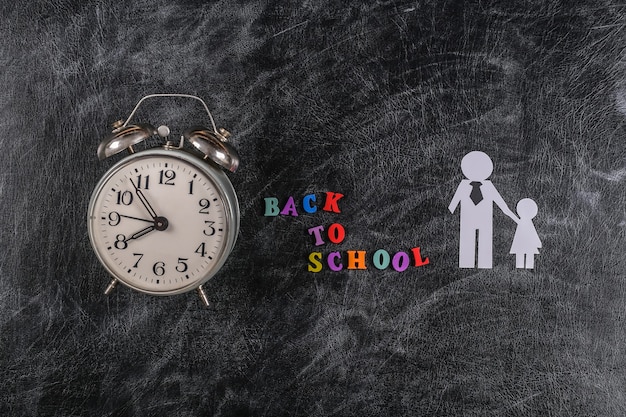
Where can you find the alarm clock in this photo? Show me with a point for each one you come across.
(164, 220)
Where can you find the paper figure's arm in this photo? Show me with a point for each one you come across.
(456, 199)
(497, 198)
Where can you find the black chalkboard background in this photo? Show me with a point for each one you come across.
(378, 101)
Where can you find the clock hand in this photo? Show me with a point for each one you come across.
(144, 201)
(141, 233)
(136, 218)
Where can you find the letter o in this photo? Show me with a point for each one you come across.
(381, 259)
(336, 233)
(400, 261)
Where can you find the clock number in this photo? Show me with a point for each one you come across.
(158, 268)
(191, 187)
(145, 186)
(114, 218)
(201, 250)
(211, 228)
(140, 255)
(120, 242)
(204, 203)
(182, 264)
(125, 198)
(167, 177)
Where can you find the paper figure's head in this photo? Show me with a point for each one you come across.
(526, 208)
(476, 166)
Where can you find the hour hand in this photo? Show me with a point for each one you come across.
(141, 233)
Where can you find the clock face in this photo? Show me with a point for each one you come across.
(163, 221)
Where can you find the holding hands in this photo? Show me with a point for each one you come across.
(476, 195)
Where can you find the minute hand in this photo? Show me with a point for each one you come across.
(144, 201)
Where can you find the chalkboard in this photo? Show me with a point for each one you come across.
(360, 308)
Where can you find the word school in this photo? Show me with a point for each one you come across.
(335, 233)
(356, 259)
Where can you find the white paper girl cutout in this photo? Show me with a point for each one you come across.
(526, 242)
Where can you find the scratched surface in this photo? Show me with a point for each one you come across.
(378, 101)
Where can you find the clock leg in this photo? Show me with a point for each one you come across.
(203, 297)
(111, 287)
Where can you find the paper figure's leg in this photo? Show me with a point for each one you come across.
(467, 248)
(519, 260)
(485, 249)
(530, 261)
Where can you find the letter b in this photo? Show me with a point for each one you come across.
(271, 206)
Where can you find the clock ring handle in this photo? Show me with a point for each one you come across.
(172, 95)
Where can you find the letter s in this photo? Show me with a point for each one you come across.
(315, 265)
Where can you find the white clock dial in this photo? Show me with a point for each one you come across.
(162, 221)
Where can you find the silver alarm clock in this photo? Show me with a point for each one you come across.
(164, 220)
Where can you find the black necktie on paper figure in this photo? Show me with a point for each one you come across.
(476, 195)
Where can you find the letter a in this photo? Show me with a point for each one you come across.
(290, 208)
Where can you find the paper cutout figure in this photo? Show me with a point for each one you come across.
(526, 242)
(476, 195)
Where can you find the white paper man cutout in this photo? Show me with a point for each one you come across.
(526, 242)
(476, 196)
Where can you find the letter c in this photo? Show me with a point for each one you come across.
(331, 261)
(306, 203)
